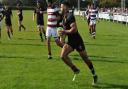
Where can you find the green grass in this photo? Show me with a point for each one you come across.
(24, 63)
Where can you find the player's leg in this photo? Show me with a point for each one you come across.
(88, 21)
(11, 30)
(0, 30)
(44, 32)
(40, 32)
(0, 33)
(90, 30)
(19, 24)
(91, 26)
(21, 20)
(8, 32)
(86, 59)
(66, 50)
(23, 26)
(49, 48)
(94, 30)
(42, 27)
(48, 35)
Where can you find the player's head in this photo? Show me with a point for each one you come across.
(6, 7)
(64, 6)
(38, 4)
(18, 5)
(49, 3)
(92, 6)
(88, 6)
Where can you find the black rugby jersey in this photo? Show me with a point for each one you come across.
(74, 37)
(40, 13)
(8, 14)
(20, 12)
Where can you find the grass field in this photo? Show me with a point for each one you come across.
(24, 63)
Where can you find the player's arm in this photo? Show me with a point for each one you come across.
(2, 17)
(97, 13)
(72, 30)
(18, 12)
(11, 13)
(34, 14)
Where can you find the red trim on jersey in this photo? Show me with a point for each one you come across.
(52, 20)
(52, 26)
(51, 13)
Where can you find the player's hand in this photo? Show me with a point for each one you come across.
(41, 12)
(62, 32)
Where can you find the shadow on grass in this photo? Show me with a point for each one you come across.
(115, 35)
(21, 44)
(30, 39)
(108, 59)
(22, 57)
(101, 44)
(112, 86)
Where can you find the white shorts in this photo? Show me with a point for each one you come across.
(51, 32)
(92, 22)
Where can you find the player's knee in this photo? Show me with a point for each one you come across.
(48, 42)
(84, 57)
(62, 57)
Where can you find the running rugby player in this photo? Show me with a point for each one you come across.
(75, 42)
(52, 27)
(39, 13)
(7, 15)
(20, 16)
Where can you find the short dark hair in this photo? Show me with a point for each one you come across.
(66, 3)
(50, 1)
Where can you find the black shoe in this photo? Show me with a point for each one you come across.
(24, 28)
(95, 79)
(49, 57)
(42, 39)
(76, 71)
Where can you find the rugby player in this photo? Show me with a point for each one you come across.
(75, 42)
(39, 13)
(20, 16)
(8, 15)
(1, 18)
(51, 31)
(93, 14)
(88, 18)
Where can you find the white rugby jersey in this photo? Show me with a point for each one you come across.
(52, 18)
(93, 14)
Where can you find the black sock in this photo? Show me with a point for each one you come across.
(19, 28)
(49, 54)
(9, 35)
(23, 27)
(74, 68)
(92, 70)
(41, 36)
